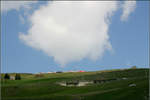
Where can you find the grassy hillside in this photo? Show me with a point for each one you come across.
(46, 87)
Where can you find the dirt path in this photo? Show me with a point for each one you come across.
(96, 92)
(91, 93)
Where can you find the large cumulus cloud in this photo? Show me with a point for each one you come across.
(71, 30)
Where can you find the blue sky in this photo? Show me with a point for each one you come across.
(129, 40)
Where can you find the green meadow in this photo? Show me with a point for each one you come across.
(46, 87)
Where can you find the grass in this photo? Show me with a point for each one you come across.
(45, 87)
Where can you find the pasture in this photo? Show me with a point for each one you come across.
(45, 87)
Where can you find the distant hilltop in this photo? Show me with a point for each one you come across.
(60, 72)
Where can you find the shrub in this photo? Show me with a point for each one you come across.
(17, 77)
(6, 76)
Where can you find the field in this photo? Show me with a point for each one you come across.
(46, 87)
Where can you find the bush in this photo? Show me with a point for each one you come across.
(17, 77)
(6, 76)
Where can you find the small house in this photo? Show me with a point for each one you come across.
(72, 83)
(12, 77)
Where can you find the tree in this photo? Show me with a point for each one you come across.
(6, 76)
(17, 77)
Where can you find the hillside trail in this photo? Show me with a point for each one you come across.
(97, 92)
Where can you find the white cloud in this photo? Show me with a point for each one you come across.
(71, 30)
(128, 7)
(15, 5)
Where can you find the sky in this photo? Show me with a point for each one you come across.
(42, 36)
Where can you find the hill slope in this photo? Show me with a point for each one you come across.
(46, 87)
